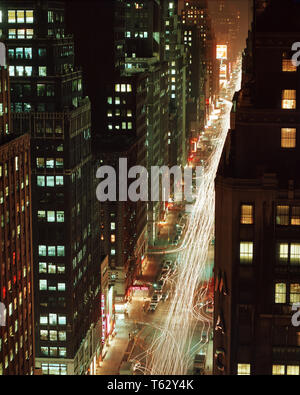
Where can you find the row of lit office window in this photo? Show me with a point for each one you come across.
(51, 216)
(49, 163)
(245, 369)
(53, 319)
(51, 268)
(287, 253)
(54, 351)
(287, 293)
(285, 215)
(53, 335)
(18, 16)
(44, 250)
(50, 181)
(26, 71)
(45, 286)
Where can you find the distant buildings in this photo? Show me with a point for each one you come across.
(257, 255)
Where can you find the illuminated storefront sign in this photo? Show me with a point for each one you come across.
(103, 318)
(139, 288)
(223, 71)
(222, 52)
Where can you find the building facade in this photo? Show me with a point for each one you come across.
(47, 101)
(16, 275)
(258, 208)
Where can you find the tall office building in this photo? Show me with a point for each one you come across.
(47, 101)
(202, 88)
(257, 249)
(144, 54)
(174, 53)
(16, 268)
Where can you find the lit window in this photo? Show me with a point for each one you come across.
(283, 253)
(292, 370)
(282, 215)
(112, 238)
(247, 214)
(43, 285)
(41, 181)
(278, 370)
(295, 219)
(29, 16)
(61, 286)
(287, 63)
(11, 16)
(12, 33)
(41, 215)
(42, 71)
(129, 89)
(117, 87)
(113, 226)
(243, 369)
(42, 250)
(50, 181)
(280, 293)
(60, 215)
(288, 138)
(20, 16)
(295, 254)
(294, 293)
(246, 252)
(289, 99)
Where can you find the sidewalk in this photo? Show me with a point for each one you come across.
(116, 351)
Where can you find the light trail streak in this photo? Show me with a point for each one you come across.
(170, 353)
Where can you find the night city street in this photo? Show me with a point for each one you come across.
(149, 190)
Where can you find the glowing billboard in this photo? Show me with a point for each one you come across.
(222, 52)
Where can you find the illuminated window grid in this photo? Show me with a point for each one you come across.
(282, 215)
(247, 214)
(292, 370)
(243, 369)
(278, 370)
(294, 293)
(295, 219)
(246, 252)
(288, 138)
(295, 254)
(280, 293)
(283, 253)
(288, 66)
(289, 99)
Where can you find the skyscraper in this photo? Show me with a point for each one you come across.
(257, 254)
(47, 101)
(16, 268)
